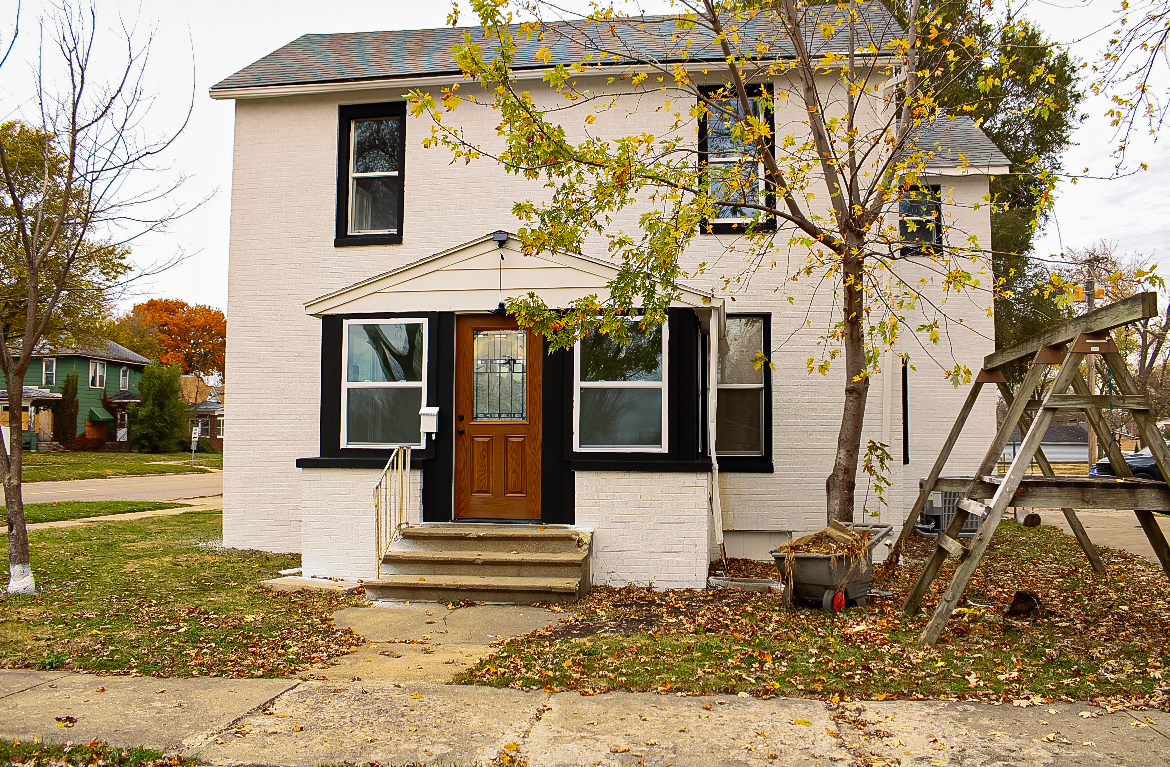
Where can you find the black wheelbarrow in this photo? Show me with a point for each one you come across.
(830, 581)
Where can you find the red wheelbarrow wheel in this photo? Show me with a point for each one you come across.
(833, 601)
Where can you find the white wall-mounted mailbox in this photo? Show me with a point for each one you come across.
(429, 416)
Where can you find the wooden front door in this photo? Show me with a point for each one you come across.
(498, 373)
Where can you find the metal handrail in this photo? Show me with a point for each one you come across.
(392, 498)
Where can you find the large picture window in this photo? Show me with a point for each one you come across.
(740, 416)
(620, 403)
(384, 382)
(735, 174)
(371, 157)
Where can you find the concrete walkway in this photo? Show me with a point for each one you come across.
(1118, 529)
(300, 724)
(143, 487)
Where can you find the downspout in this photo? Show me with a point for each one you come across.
(714, 336)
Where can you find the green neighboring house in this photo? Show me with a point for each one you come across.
(107, 383)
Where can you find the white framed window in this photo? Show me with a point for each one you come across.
(619, 393)
(384, 382)
(375, 183)
(920, 220)
(219, 427)
(739, 415)
(97, 374)
(49, 372)
(124, 379)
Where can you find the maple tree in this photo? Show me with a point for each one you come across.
(819, 187)
(174, 332)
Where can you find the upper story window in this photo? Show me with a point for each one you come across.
(734, 172)
(370, 174)
(124, 379)
(49, 372)
(384, 384)
(920, 220)
(97, 374)
(741, 414)
(621, 393)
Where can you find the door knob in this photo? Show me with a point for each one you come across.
(459, 430)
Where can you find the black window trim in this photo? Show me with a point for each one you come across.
(918, 250)
(728, 227)
(346, 115)
(755, 464)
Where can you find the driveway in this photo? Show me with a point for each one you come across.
(1118, 529)
(201, 488)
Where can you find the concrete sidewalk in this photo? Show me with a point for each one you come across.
(137, 487)
(290, 723)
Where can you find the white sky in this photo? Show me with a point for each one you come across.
(224, 36)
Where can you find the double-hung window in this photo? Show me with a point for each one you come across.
(371, 154)
(219, 427)
(735, 176)
(97, 374)
(49, 372)
(124, 379)
(920, 220)
(620, 393)
(740, 415)
(384, 382)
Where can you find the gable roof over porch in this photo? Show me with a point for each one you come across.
(476, 276)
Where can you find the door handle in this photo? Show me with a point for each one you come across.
(459, 430)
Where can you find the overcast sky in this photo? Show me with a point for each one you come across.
(217, 37)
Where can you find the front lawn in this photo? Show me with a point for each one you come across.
(1100, 639)
(45, 467)
(160, 596)
(57, 511)
(36, 754)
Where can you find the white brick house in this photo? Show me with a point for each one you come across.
(364, 271)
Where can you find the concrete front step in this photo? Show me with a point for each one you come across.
(506, 589)
(510, 563)
(516, 539)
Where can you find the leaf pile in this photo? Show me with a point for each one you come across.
(145, 597)
(92, 754)
(1102, 640)
(735, 567)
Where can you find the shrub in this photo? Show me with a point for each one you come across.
(158, 424)
(205, 446)
(65, 413)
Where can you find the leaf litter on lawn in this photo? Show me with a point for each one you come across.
(1103, 640)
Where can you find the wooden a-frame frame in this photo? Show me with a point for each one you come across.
(1089, 336)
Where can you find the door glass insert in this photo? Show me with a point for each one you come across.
(499, 367)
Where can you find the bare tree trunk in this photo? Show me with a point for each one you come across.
(842, 483)
(20, 577)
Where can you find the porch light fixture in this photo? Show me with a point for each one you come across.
(500, 237)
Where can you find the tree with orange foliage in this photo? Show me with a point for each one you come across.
(172, 331)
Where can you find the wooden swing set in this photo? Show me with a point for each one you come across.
(988, 495)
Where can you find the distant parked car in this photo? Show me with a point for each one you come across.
(1141, 463)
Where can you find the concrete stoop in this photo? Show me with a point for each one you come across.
(510, 564)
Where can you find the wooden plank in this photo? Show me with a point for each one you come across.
(1034, 493)
(1133, 309)
(1070, 515)
(999, 502)
(928, 485)
(950, 545)
(973, 507)
(1096, 401)
(929, 572)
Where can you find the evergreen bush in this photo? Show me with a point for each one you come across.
(158, 424)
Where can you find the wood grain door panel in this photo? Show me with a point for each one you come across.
(497, 455)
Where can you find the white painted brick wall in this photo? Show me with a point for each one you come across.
(648, 528)
(338, 521)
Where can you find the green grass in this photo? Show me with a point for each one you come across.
(37, 753)
(58, 511)
(160, 596)
(1101, 639)
(44, 467)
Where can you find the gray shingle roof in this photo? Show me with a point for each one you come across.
(951, 140)
(32, 393)
(102, 350)
(358, 56)
(1069, 435)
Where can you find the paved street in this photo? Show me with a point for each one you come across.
(1118, 529)
(157, 487)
